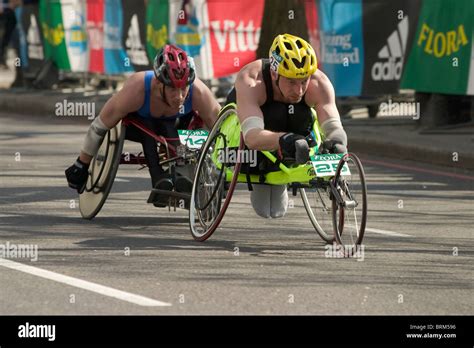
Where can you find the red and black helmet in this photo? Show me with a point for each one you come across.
(173, 67)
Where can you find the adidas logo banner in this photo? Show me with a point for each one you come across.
(33, 56)
(134, 34)
(389, 29)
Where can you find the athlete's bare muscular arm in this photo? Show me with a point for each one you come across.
(205, 103)
(127, 100)
(322, 97)
(250, 89)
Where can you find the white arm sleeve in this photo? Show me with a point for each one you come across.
(333, 130)
(94, 137)
(252, 122)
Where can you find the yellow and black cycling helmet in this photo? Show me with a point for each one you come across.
(292, 57)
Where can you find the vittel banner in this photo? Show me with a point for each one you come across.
(95, 34)
(389, 29)
(342, 48)
(233, 31)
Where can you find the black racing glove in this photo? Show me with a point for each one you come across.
(332, 146)
(294, 148)
(77, 175)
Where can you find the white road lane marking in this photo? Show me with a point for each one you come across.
(388, 233)
(82, 284)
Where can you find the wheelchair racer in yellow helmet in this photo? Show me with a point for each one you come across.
(274, 99)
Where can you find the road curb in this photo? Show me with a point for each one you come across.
(43, 105)
(410, 152)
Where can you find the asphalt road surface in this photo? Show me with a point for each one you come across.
(134, 258)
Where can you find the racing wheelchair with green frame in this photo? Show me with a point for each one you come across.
(332, 186)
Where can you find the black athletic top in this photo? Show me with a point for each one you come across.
(276, 114)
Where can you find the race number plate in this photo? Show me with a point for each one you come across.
(193, 139)
(326, 165)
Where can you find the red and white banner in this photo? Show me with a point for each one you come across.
(313, 27)
(232, 31)
(95, 33)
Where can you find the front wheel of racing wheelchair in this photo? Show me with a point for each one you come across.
(337, 205)
(350, 197)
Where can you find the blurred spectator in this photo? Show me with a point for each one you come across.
(7, 24)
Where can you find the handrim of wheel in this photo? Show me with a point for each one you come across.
(101, 176)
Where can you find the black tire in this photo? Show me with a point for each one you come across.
(350, 217)
(102, 171)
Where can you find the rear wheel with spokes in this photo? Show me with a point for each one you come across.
(215, 179)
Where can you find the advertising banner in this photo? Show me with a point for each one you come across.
(342, 48)
(233, 33)
(313, 28)
(51, 19)
(157, 26)
(116, 59)
(441, 54)
(33, 58)
(187, 35)
(389, 29)
(95, 34)
(22, 46)
(74, 22)
(134, 35)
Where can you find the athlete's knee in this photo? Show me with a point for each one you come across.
(279, 201)
(260, 201)
(269, 201)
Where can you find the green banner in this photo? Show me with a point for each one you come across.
(157, 24)
(440, 56)
(51, 19)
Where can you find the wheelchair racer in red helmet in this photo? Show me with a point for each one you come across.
(164, 99)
